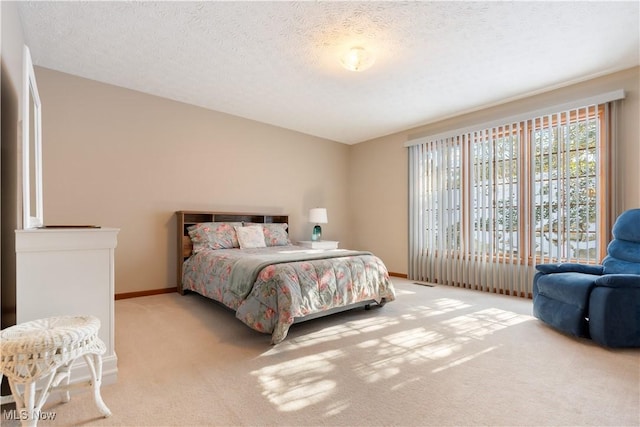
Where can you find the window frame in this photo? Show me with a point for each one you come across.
(523, 158)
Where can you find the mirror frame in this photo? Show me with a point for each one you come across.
(31, 189)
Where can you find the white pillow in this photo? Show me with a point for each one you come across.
(251, 237)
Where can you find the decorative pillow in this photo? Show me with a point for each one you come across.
(214, 235)
(251, 237)
(275, 234)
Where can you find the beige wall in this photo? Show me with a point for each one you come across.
(120, 158)
(379, 168)
(124, 159)
(378, 196)
(10, 197)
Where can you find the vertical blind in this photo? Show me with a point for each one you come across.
(487, 205)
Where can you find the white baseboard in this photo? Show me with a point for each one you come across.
(80, 370)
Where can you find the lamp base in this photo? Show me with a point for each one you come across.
(317, 233)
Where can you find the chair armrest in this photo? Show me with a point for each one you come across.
(619, 281)
(569, 267)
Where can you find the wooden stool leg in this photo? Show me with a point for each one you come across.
(94, 362)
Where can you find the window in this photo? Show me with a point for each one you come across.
(486, 205)
(570, 185)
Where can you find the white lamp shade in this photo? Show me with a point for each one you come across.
(318, 215)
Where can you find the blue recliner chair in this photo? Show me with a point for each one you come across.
(601, 302)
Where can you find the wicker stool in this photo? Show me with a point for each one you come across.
(45, 349)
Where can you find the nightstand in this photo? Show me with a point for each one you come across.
(319, 244)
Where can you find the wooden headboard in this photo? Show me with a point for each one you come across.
(189, 218)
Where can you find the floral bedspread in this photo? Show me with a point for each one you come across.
(285, 291)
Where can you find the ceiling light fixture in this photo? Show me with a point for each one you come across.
(357, 59)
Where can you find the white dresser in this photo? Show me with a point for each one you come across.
(69, 271)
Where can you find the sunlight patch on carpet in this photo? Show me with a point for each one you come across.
(463, 359)
(484, 322)
(437, 307)
(447, 341)
(298, 383)
(334, 333)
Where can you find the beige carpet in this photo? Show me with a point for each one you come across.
(436, 356)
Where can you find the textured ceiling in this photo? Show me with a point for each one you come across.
(278, 62)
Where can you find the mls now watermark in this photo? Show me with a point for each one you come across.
(23, 415)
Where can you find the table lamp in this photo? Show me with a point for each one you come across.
(317, 216)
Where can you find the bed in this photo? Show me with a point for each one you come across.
(248, 263)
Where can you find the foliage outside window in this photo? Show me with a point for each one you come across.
(533, 187)
(487, 205)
